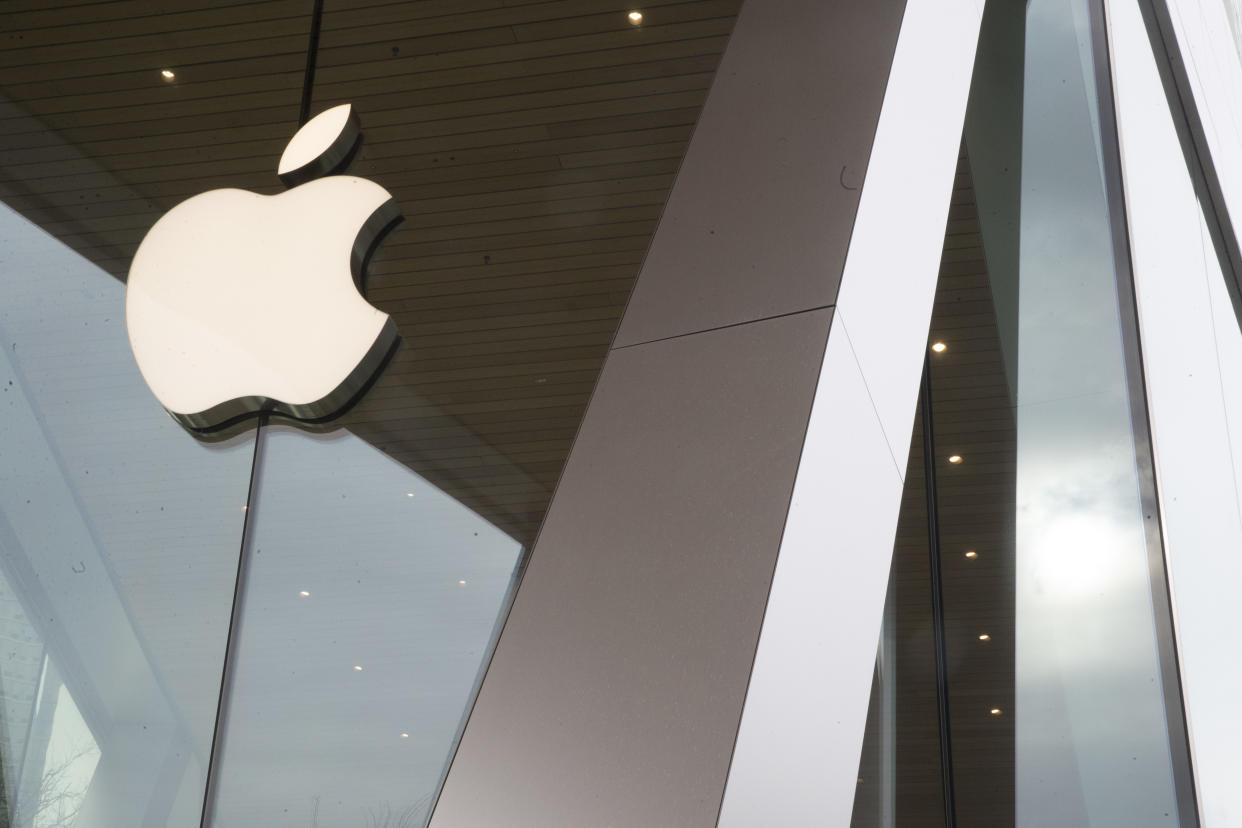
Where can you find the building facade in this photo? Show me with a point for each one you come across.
(779, 413)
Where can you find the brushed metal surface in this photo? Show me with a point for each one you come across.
(616, 689)
(761, 213)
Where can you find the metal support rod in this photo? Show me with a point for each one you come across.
(937, 596)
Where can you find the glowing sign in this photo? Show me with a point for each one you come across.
(239, 303)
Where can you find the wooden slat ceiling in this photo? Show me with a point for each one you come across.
(530, 146)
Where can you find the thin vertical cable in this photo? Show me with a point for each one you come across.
(312, 55)
(937, 596)
(230, 645)
(243, 557)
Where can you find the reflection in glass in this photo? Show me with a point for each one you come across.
(1092, 742)
(119, 536)
(370, 605)
(1056, 646)
(899, 774)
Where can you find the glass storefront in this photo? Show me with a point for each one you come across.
(278, 625)
(287, 625)
(1062, 702)
(119, 536)
(370, 604)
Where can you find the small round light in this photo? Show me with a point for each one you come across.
(304, 593)
(995, 711)
(409, 494)
(463, 583)
(955, 459)
(405, 735)
(970, 553)
(635, 17)
(985, 637)
(939, 347)
(358, 668)
(168, 74)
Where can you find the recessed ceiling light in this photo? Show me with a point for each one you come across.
(955, 458)
(168, 74)
(463, 583)
(985, 637)
(995, 711)
(635, 17)
(304, 593)
(409, 494)
(405, 735)
(970, 553)
(939, 347)
(358, 667)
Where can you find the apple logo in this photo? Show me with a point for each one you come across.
(239, 303)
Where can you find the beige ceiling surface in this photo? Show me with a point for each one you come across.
(530, 147)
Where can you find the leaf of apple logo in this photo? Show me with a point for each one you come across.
(239, 303)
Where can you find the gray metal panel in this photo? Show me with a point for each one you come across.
(758, 222)
(616, 690)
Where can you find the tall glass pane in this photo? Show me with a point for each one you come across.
(1063, 703)
(371, 601)
(119, 536)
(899, 774)
(1092, 743)
(1062, 585)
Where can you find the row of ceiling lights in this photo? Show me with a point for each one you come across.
(635, 18)
(956, 459)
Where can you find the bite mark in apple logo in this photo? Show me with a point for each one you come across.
(239, 303)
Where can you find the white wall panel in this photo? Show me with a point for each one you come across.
(1210, 52)
(796, 758)
(1192, 355)
(887, 288)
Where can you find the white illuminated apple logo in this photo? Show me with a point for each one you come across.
(239, 303)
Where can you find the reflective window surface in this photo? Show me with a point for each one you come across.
(1192, 348)
(1092, 743)
(119, 536)
(530, 148)
(371, 600)
(1057, 636)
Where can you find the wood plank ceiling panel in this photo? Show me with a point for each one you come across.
(530, 146)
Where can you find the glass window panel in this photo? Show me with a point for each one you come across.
(1192, 352)
(1051, 491)
(899, 775)
(119, 536)
(371, 602)
(1057, 636)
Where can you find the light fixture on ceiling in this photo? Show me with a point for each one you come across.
(985, 637)
(635, 17)
(463, 583)
(955, 458)
(995, 711)
(304, 593)
(970, 553)
(168, 74)
(409, 494)
(405, 735)
(358, 668)
(939, 347)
